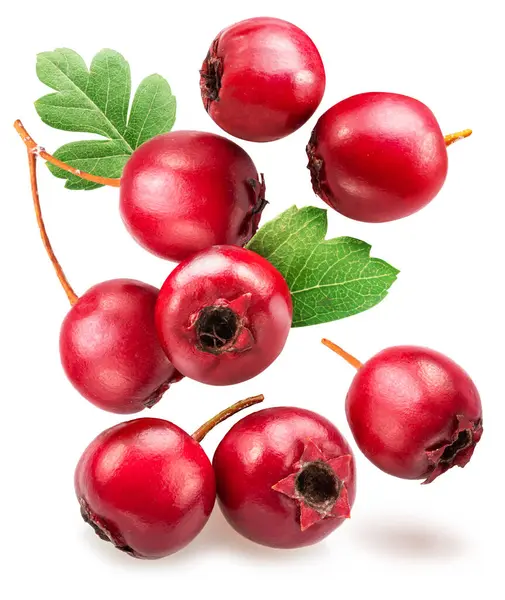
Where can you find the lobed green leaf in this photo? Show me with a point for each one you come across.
(106, 158)
(153, 111)
(328, 279)
(97, 101)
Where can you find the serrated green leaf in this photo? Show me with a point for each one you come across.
(153, 111)
(106, 158)
(109, 87)
(62, 70)
(92, 102)
(81, 184)
(328, 279)
(97, 101)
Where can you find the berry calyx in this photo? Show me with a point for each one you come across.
(211, 75)
(128, 484)
(456, 451)
(318, 485)
(413, 412)
(222, 327)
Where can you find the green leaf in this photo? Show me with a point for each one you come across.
(106, 158)
(328, 279)
(97, 101)
(153, 111)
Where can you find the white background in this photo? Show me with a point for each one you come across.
(404, 540)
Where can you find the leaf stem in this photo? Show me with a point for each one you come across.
(38, 150)
(454, 137)
(202, 431)
(71, 295)
(354, 362)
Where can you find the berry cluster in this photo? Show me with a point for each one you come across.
(284, 477)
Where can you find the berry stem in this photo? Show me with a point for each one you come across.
(454, 137)
(202, 431)
(71, 295)
(354, 362)
(36, 149)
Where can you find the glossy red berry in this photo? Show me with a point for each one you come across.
(185, 191)
(223, 315)
(378, 156)
(413, 412)
(262, 79)
(109, 347)
(147, 486)
(285, 477)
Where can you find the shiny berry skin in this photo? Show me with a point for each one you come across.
(184, 191)
(223, 315)
(109, 347)
(414, 412)
(263, 78)
(146, 486)
(377, 157)
(285, 477)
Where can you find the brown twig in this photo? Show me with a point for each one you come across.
(345, 355)
(454, 137)
(202, 431)
(71, 295)
(38, 150)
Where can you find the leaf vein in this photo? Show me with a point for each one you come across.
(148, 113)
(340, 283)
(297, 231)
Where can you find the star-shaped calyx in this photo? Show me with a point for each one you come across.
(223, 326)
(454, 452)
(318, 485)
